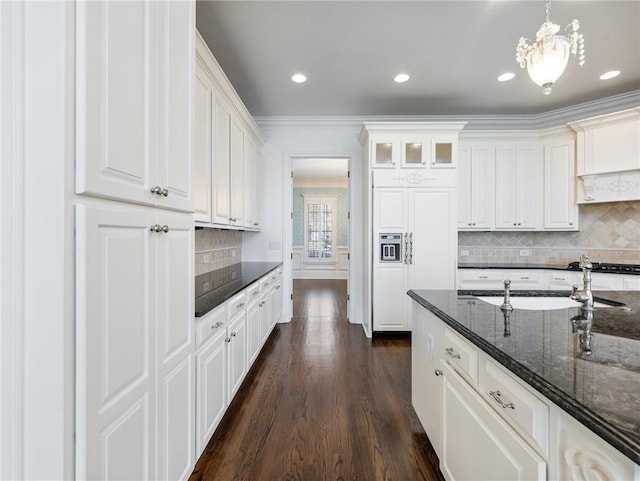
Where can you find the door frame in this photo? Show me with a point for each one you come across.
(287, 227)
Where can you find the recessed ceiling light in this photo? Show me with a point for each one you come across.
(609, 74)
(299, 78)
(401, 77)
(506, 76)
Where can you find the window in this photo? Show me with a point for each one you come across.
(319, 222)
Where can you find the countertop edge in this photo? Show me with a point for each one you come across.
(536, 267)
(616, 438)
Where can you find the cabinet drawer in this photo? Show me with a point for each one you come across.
(211, 324)
(462, 356)
(236, 304)
(518, 406)
(253, 292)
(265, 282)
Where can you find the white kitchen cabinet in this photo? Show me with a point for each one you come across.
(519, 171)
(477, 443)
(134, 77)
(254, 329)
(134, 343)
(426, 373)
(221, 209)
(211, 397)
(204, 95)
(414, 152)
(236, 173)
(476, 186)
(562, 280)
(384, 151)
(265, 310)
(250, 184)
(560, 208)
(236, 352)
(580, 455)
(428, 259)
(601, 281)
(227, 150)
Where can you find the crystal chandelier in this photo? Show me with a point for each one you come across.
(547, 57)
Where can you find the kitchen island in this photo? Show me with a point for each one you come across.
(590, 369)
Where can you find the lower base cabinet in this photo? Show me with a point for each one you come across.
(477, 444)
(211, 380)
(475, 440)
(228, 341)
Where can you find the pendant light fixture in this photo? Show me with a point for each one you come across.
(547, 57)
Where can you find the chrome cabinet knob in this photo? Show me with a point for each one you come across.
(155, 228)
(156, 190)
(164, 228)
(438, 372)
(233, 334)
(228, 339)
(164, 192)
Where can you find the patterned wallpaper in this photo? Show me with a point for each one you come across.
(609, 232)
(217, 248)
(342, 227)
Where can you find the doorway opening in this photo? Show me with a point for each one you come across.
(320, 233)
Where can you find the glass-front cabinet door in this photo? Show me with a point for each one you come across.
(384, 153)
(415, 153)
(444, 153)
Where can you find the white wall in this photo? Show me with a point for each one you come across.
(305, 138)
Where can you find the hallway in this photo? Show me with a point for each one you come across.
(322, 402)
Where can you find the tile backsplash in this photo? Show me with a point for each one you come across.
(609, 232)
(217, 248)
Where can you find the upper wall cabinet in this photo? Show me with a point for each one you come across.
(517, 181)
(413, 145)
(560, 208)
(227, 143)
(134, 100)
(518, 186)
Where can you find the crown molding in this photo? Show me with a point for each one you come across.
(546, 120)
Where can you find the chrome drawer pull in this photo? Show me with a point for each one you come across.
(240, 305)
(451, 352)
(496, 397)
(438, 372)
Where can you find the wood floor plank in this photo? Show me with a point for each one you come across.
(322, 402)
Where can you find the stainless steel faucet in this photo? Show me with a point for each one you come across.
(585, 295)
(506, 304)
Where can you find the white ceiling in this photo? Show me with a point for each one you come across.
(453, 50)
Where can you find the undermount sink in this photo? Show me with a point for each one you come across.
(538, 303)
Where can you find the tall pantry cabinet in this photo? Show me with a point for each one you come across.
(134, 240)
(411, 210)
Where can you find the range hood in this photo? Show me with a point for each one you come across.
(608, 157)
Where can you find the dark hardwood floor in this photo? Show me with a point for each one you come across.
(322, 402)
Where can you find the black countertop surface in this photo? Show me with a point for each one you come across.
(631, 269)
(215, 287)
(601, 389)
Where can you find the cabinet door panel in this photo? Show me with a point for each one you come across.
(177, 53)
(176, 422)
(560, 209)
(529, 187)
(203, 145)
(390, 300)
(211, 402)
(474, 434)
(115, 340)
(237, 172)
(114, 77)
(506, 187)
(483, 186)
(221, 161)
(253, 332)
(465, 175)
(433, 255)
(237, 352)
(389, 210)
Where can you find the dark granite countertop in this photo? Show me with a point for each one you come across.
(487, 265)
(601, 389)
(215, 287)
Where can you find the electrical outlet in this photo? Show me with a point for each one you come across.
(205, 286)
(464, 253)
(524, 252)
(206, 258)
